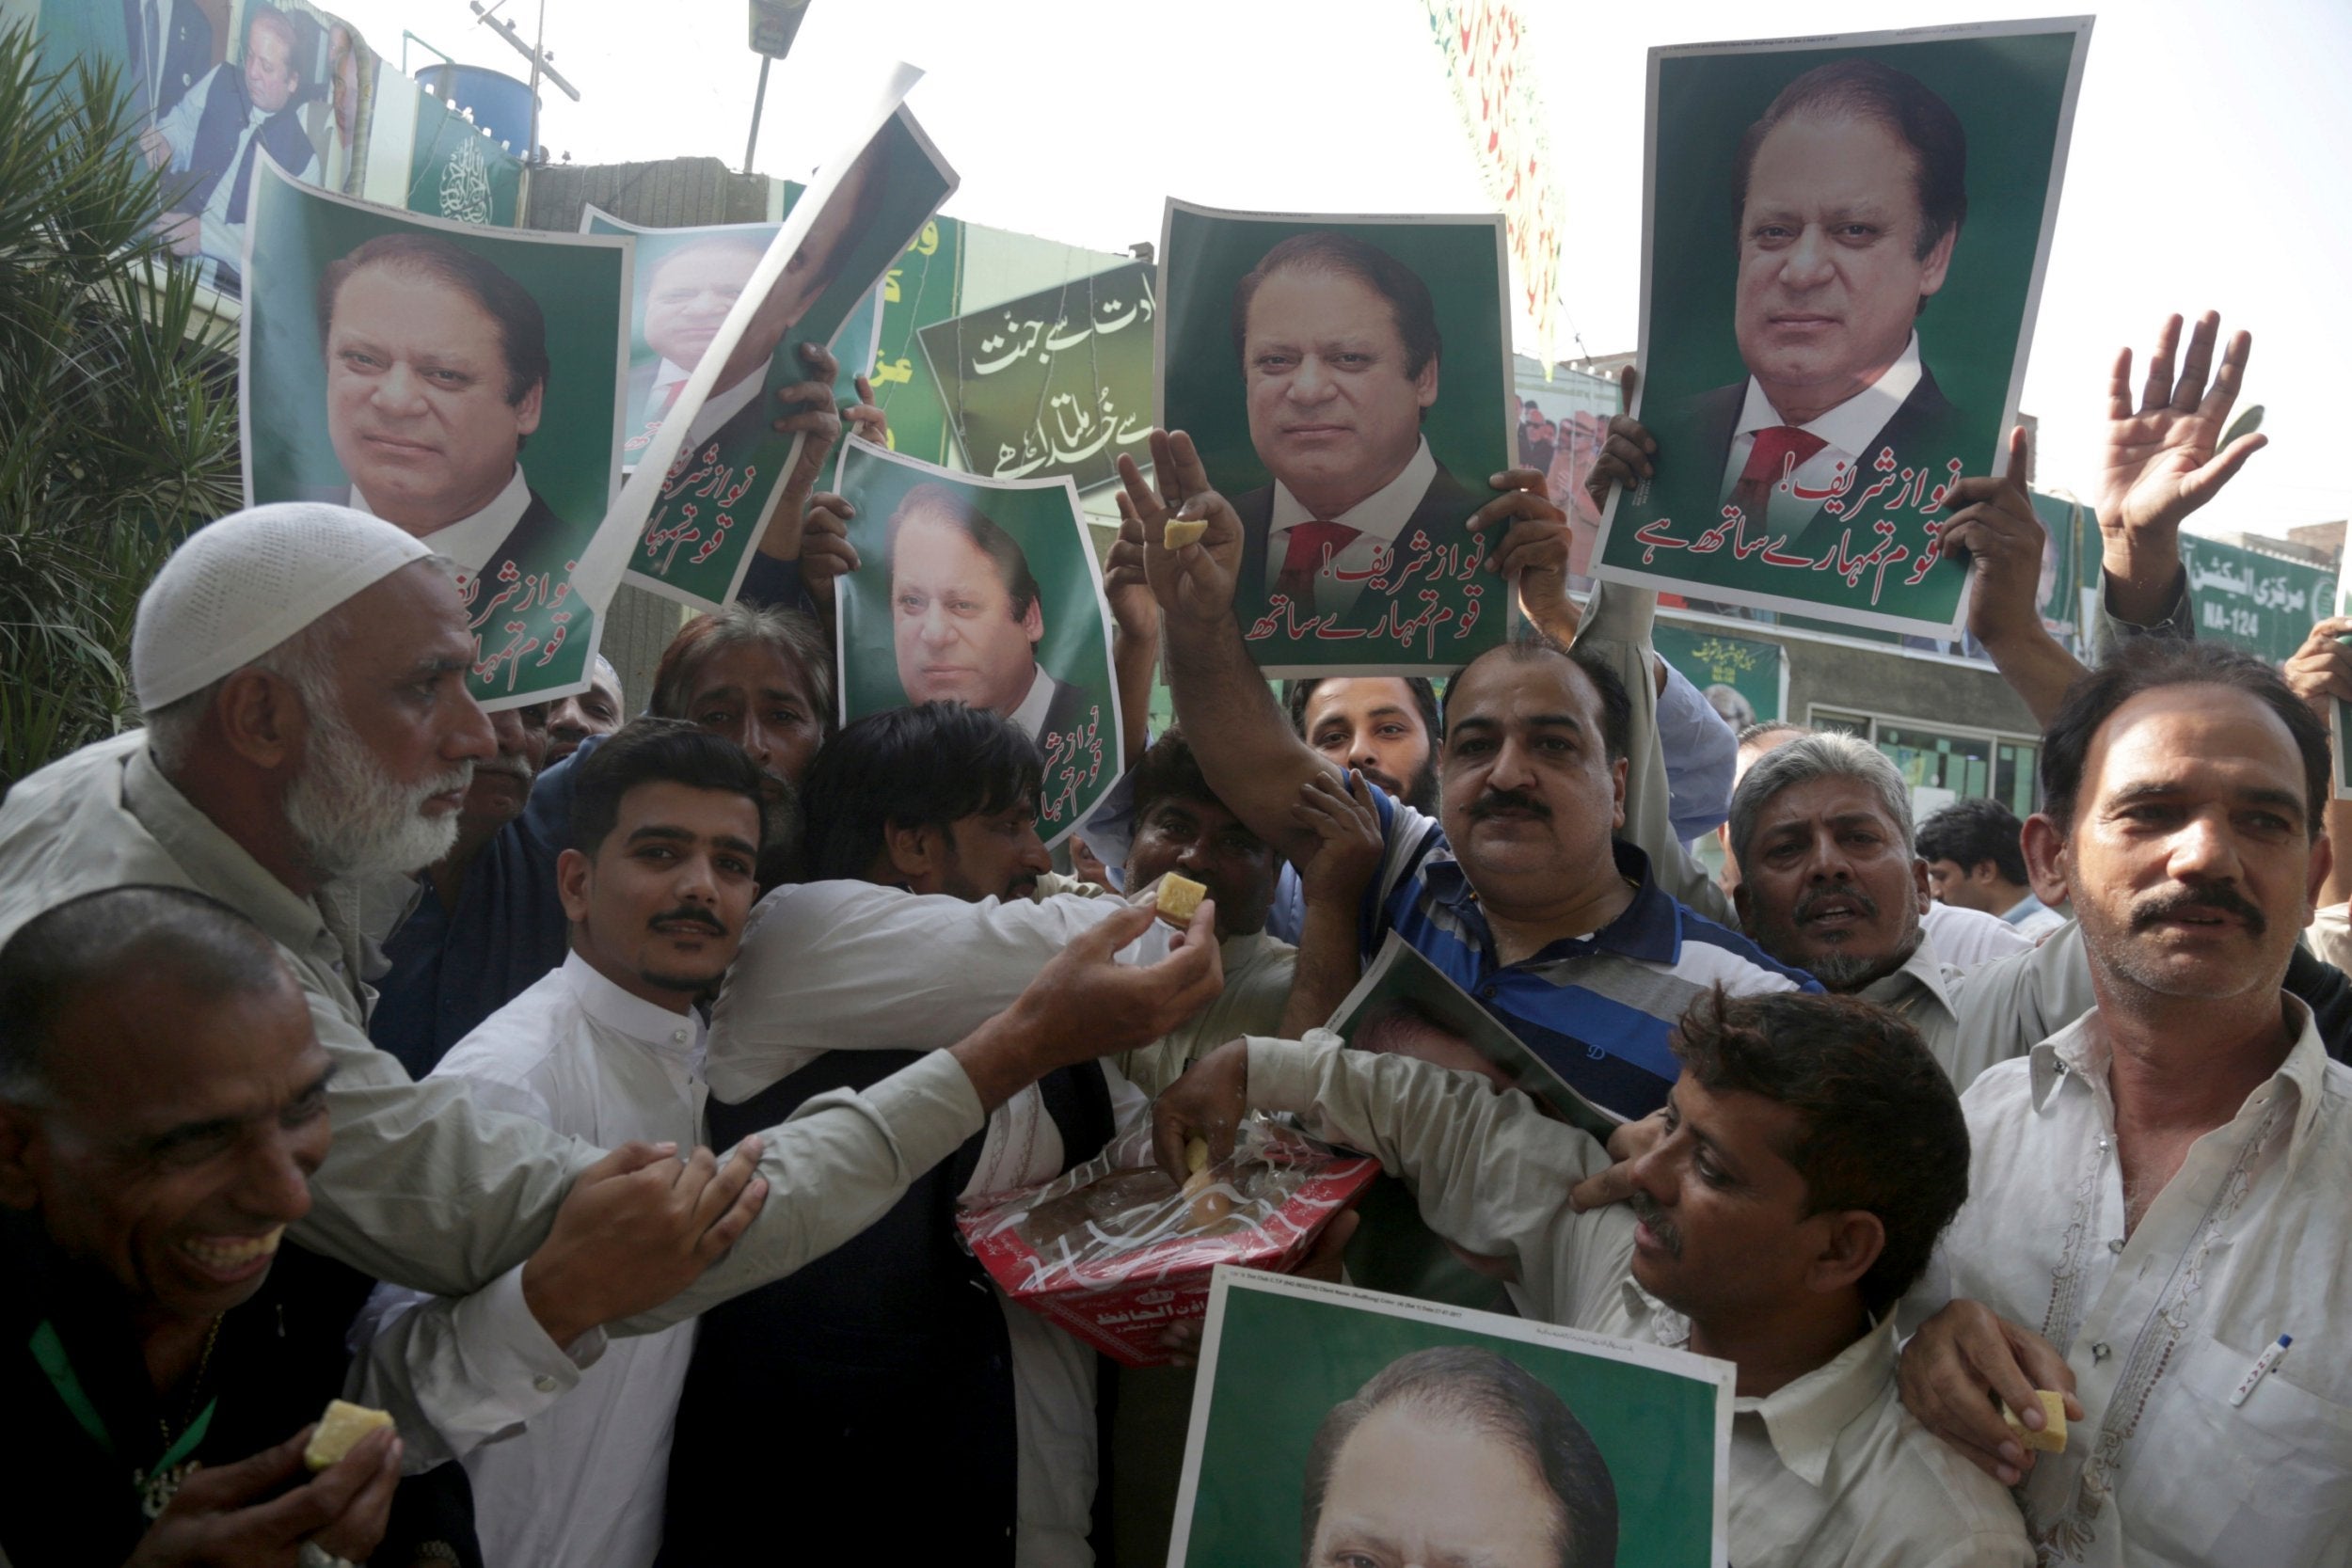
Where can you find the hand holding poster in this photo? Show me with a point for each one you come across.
(984, 591)
(1330, 1423)
(460, 381)
(1348, 383)
(688, 280)
(700, 509)
(1843, 247)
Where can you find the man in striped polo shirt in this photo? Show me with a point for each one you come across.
(1519, 890)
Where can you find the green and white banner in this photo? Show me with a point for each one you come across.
(464, 382)
(984, 591)
(1348, 381)
(1326, 1425)
(1843, 247)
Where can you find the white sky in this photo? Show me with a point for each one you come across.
(2209, 170)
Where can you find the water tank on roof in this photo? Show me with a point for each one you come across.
(497, 101)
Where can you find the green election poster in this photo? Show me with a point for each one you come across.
(462, 382)
(1348, 382)
(1843, 245)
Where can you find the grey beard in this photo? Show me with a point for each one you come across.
(349, 819)
(1851, 971)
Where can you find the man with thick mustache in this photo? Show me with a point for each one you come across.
(1814, 1154)
(1519, 890)
(658, 882)
(2155, 1224)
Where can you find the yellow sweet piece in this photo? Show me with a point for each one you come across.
(2052, 1437)
(1197, 1155)
(1207, 1209)
(340, 1430)
(1180, 532)
(1179, 898)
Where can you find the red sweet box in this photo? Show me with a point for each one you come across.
(1116, 1252)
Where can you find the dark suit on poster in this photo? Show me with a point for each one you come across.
(535, 536)
(1443, 514)
(1066, 713)
(182, 52)
(1924, 428)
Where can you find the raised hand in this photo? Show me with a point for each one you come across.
(1528, 543)
(1629, 453)
(2160, 463)
(1198, 581)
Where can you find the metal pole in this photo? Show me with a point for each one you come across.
(757, 103)
(531, 150)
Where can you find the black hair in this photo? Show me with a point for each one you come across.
(1298, 694)
(1616, 705)
(1878, 1125)
(1497, 1398)
(921, 766)
(2146, 664)
(522, 327)
(1329, 251)
(658, 751)
(1969, 832)
(787, 633)
(942, 504)
(1168, 771)
(187, 939)
(1895, 99)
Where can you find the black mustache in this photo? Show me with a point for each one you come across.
(1498, 800)
(1813, 898)
(2163, 906)
(1645, 1208)
(694, 916)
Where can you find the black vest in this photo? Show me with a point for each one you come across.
(218, 130)
(860, 1410)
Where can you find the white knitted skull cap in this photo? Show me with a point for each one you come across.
(237, 588)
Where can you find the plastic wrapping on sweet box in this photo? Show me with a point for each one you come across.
(1115, 1252)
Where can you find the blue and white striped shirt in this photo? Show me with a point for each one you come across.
(1600, 1008)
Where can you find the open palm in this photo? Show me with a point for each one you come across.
(2160, 463)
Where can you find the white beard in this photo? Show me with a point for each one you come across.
(350, 819)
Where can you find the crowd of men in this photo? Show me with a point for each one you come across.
(596, 1093)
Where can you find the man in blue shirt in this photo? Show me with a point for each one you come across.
(1519, 890)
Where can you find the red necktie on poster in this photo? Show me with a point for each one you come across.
(1304, 557)
(1767, 461)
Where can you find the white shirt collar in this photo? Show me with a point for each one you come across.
(722, 406)
(472, 540)
(1853, 424)
(1031, 715)
(1924, 968)
(1804, 1418)
(2080, 1051)
(1380, 515)
(655, 1027)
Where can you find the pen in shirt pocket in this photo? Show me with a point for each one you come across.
(2260, 1369)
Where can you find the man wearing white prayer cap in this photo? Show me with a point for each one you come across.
(302, 671)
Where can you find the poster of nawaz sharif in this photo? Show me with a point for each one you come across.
(1328, 1426)
(462, 382)
(687, 279)
(1347, 382)
(702, 507)
(984, 591)
(1843, 245)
